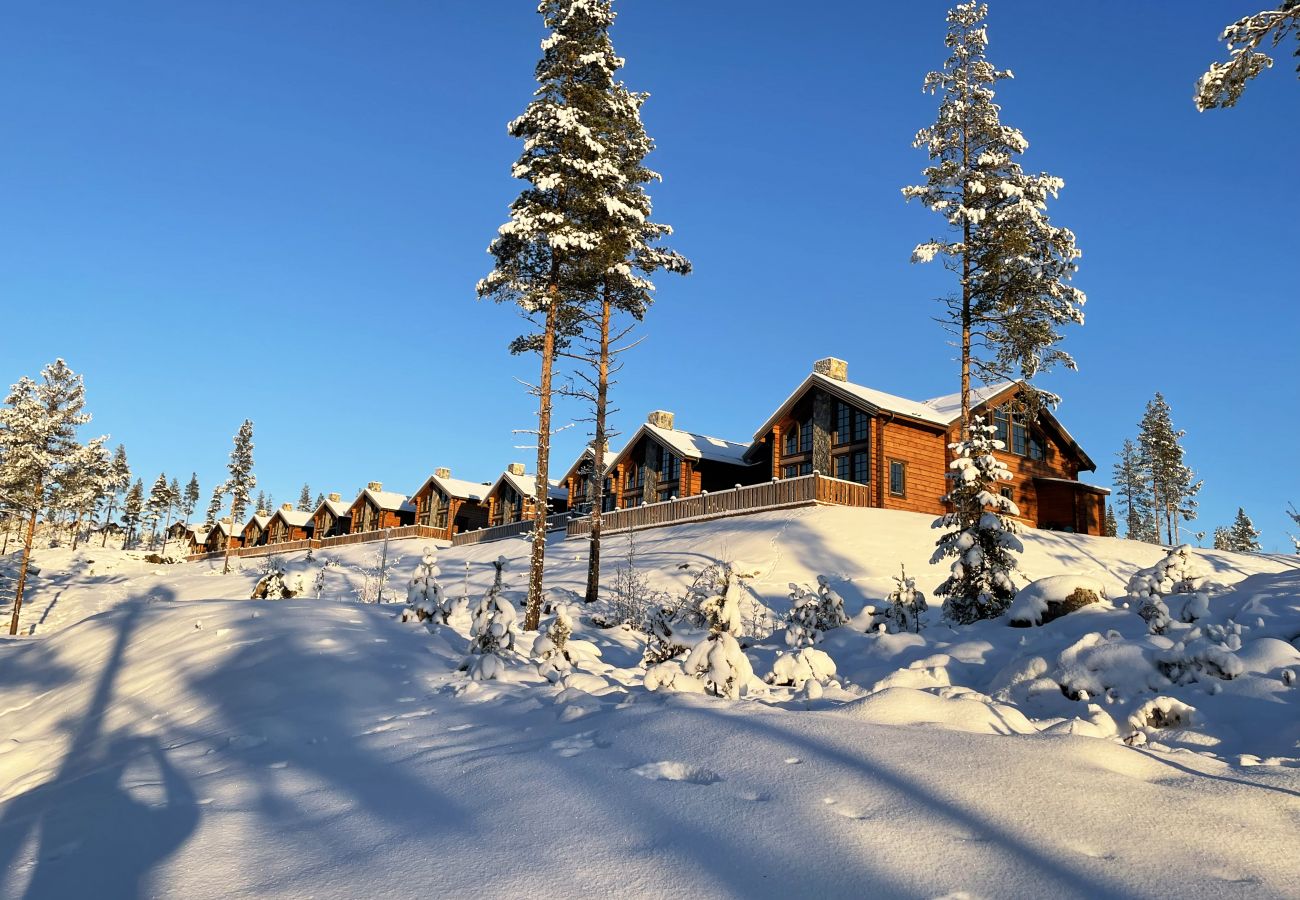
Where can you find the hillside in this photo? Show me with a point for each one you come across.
(163, 735)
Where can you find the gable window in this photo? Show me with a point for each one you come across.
(670, 469)
(805, 437)
(792, 440)
(1014, 434)
(861, 466)
(842, 467)
(852, 425)
(897, 478)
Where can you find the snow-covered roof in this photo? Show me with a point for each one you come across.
(336, 508)
(295, 518)
(456, 487)
(949, 405)
(586, 454)
(386, 500)
(223, 528)
(1092, 488)
(260, 521)
(688, 445)
(524, 485)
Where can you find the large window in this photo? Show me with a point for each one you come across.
(792, 440)
(855, 466)
(897, 478)
(797, 469)
(805, 437)
(670, 469)
(1015, 436)
(852, 425)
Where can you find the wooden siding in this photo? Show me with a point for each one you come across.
(924, 453)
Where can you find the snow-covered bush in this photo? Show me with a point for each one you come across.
(812, 614)
(1177, 573)
(1047, 599)
(550, 650)
(801, 666)
(717, 660)
(675, 624)
(907, 606)
(424, 595)
(493, 630)
(1162, 712)
(1197, 653)
(981, 538)
(276, 585)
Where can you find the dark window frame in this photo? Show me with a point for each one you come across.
(899, 466)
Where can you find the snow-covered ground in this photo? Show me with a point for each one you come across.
(161, 735)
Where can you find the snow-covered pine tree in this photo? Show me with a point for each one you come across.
(1222, 84)
(259, 505)
(1132, 479)
(718, 660)
(801, 622)
(38, 446)
(320, 498)
(1222, 537)
(87, 483)
(907, 606)
(190, 499)
(214, 505)
(304, 499)
(1173, 484)
(981, 538)
(119, 484)
(241, 481)
(1110, 528)
(1243, 536)
(424, 595)
(550, 649)
(492, 631)
(549, 254)
(156, 505)
(1014, 266)
(132, 510)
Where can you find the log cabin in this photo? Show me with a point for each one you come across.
(254, 533)
(661, 462)
(899, 448)
(331, 518)
(289, 524)
(578, 482)
(219, 535)
(196, 538)
(376, 509)
(451, 505)
(510, 498)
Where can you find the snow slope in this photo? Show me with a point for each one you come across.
(183, 742)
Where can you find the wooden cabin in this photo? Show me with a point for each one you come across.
(178, 531)
(376, 509)
(450, 505)
(196, 538)
(331, 518)
(662, 462)
(254, 534)
(510, 498)
(219, 535)
(579, 482)
(289, 524)
(899, 448)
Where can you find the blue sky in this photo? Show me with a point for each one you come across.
(220, 210)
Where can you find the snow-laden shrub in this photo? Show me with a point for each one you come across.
(492, 631)
(717, 660)
(550, 650)
(1162, 712)
(1178, 573)
(981, 535)
(1209, 653)
(424, 595)
(907, 606)
(801, 666)
(276, 585)
(1097, 665)
(676, 624)
(1047, 599)
(812, 614)
(669, 676)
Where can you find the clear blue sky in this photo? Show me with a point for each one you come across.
(219, 210)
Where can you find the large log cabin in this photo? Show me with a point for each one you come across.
(196, 538)
(661, 462)
(289, 524)
(219, 535)
(579, 482)
(376, 509)
(451, 505)
(899, 447)
(254, 533)
(510, 498)
(331, 518)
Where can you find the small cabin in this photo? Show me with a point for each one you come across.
(451, 505)
(196, 538)
(289, 524)
(376, 509)
(661, 462)
(510, 498)
(331, 518)
(899, 448)
(178, 531)
(254, 534)
(579, 482)
(222, 533)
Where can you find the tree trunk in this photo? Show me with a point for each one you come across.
(598, 456)
(168, 524)
(22, 566)
(230, 539)
(76, 528)
(108, 517)
(533, 615)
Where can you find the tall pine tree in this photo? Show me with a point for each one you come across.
(304, 499)
(241, 481)
(1014, 266)
(1132, 481)
(119, 484)
(1173, 484)
(190, 499)
(132, 510)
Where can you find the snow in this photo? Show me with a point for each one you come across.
(687, 445)
(294, 517)
(526, 484)
(385, 500)
(165, 736)
(456, 487)
(1032, 601)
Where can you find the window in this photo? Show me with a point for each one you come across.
(843, 422)
(792, 440)
(1013, 434)
(861, 466)
(861, 426)
(1036, 449)
(898, 478)
(1007, 492)
(671, 470)
(665, 494)
(805, 437)
(842, 464)
(796, 469)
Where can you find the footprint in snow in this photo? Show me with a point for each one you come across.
(755, 796)
(578, 743)
(792, 760)
(676, 771)
(382, 727)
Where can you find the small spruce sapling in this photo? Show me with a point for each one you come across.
(907, 606)
(493, 630)
(424, 595)
(718, 661)
(550, 648)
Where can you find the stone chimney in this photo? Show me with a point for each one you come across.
(286, 507)
(442, 473)
(228, 520)
(336, 497)
(661, 418)
(375, 486)
(832, 368)
(516, 469)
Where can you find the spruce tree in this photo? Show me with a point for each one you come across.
(1173, 484)
(132, 510)
(1242, 535)
(981, 537)
(214, 506)
(260, 503)
(39, 449)
(119, 483)
(1132, 481)
(320, 498)
(304, 500)
(190, 499)
(546, 254)
(1014, 266)
(1111, 527)
(157, 503)
(1222, 84)
(241, 481)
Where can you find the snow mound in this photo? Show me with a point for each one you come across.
(676, 771)
(1051, 597)
(967, 712)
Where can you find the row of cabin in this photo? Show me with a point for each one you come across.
(897, 448)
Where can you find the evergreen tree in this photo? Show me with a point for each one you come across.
(214, 505)
(157, 504)
(260, 503)
(132, 510)
(1222, 84)
(1110, 528)
(1014, 266)
(545, 256)
(1241, 536)
(86, 484)
(1132, 479)
(304, 500)
(241, 481)
(1173, 488)
(492, 631)
(190, 499)
(981, 538)
(119, 483)
(38, 449)
(320, 498)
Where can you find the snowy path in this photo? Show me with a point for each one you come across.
(207, 749)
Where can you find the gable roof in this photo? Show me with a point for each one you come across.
(260, 521)
(456, 487)
(525, 485)
(294, 518)
(586, 454)
(389, 501)
(687, 445)
(336, 508)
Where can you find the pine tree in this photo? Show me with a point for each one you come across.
(38, 449)
(260, 503)
(214, 505)
(241, 481)
(304, 500)
(547, 253)
(1111, 527)
(132, 510)
(981, 538)
(1014, 265)
(87, 483)
(157, 504)
(190, 499)
(1222, 84)
(1241, 536)
(492, 631)
(119, 483)
(320, 498)
(1132, 479)
(1173, 488)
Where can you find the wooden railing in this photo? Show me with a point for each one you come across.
(806, 490)
(554, 522)
(364, 537)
